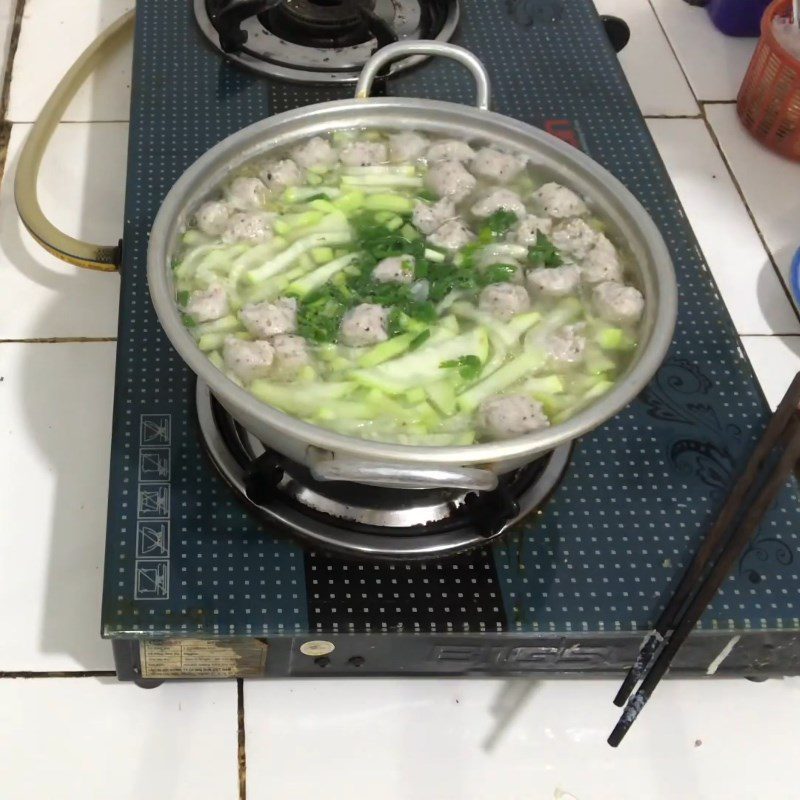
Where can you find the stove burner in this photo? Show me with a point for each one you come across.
(320, 40)
(327, 23)
(382, 523)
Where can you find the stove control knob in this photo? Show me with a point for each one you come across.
(356, 661)
(322, 661)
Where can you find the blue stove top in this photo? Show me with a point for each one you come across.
(184, 559)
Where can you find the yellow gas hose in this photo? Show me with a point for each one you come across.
(67, 248)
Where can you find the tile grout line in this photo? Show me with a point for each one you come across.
(675, 56)
(704, 117)
(62, 674)
(5, 95)
(75, 122)
(673, 116)
(241, 748)
(740, 192)
(62, 340)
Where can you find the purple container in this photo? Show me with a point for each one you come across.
(738, 17)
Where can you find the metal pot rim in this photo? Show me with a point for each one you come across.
(248, 142)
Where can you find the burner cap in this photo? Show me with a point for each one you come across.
(320, 23)
(330, 13)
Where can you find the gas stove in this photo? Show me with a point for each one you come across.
(223, 561)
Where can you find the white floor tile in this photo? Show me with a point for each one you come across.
(714, 63)
(776, 360)
(770, 183)
(55, 407)
(82, 188)
(458, 740)
(659, 90)
(53, 36)
(95, 739)
(741, 267)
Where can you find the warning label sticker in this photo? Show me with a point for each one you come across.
(203, 658)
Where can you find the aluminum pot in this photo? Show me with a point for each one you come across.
(333, 456)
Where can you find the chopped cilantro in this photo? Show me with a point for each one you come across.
(501, 221)
(395, 324)
(421, 269)
(497, 273)
(469, 367)
(544, 253)
(183, 298)
(446, 277)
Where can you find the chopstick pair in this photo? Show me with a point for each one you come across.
(772, 461)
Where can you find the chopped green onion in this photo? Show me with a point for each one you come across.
(420, 339)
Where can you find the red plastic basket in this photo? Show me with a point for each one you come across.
(769, 100)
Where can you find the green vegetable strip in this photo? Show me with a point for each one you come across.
(524, 364)
(389, 202)
(320, 276)
(443, 396)
(302, 194)
(380, 170)
(599, 389)
(285, 259)
(224, 325)
(331, 223)
(386, 350)
(568, 310)
(507, 332)
(366, 181)
(415, 369)
(547, 385)
(305, 402)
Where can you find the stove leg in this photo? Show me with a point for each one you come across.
(144, 683)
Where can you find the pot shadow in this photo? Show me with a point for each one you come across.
(529, 560)
(72, 428)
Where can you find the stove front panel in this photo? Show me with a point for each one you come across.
(183, 557)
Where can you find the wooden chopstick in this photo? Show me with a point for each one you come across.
(714, 541)
(734, 548)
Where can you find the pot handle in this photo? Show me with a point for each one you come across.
(82, 254)
(426, 47)
(376, 473)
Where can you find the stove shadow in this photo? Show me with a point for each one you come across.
(512, 698)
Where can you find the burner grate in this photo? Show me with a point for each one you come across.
(383, 523)
(320, 41)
